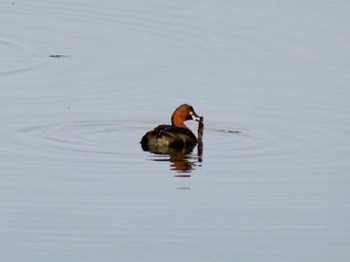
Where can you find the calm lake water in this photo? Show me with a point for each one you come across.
(82, 82)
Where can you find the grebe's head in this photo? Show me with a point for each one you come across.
(183, 113)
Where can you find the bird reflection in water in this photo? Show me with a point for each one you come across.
(182, 160)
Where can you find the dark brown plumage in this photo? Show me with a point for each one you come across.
(175, 136)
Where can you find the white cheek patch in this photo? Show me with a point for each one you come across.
(194, 117)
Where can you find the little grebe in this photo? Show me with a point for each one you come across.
(177, 135)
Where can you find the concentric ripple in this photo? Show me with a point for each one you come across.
(268, 142)
(16, 57)
(92, 137)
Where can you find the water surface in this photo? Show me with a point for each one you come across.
(82, 82)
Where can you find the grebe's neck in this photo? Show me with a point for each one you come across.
(178, 122)
(178, 118)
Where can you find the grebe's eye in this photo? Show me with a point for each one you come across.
(191, 113)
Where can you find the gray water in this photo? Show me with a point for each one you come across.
(82, 81)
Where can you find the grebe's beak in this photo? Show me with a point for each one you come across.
(195, 117)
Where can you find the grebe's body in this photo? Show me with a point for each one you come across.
(176, 135)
